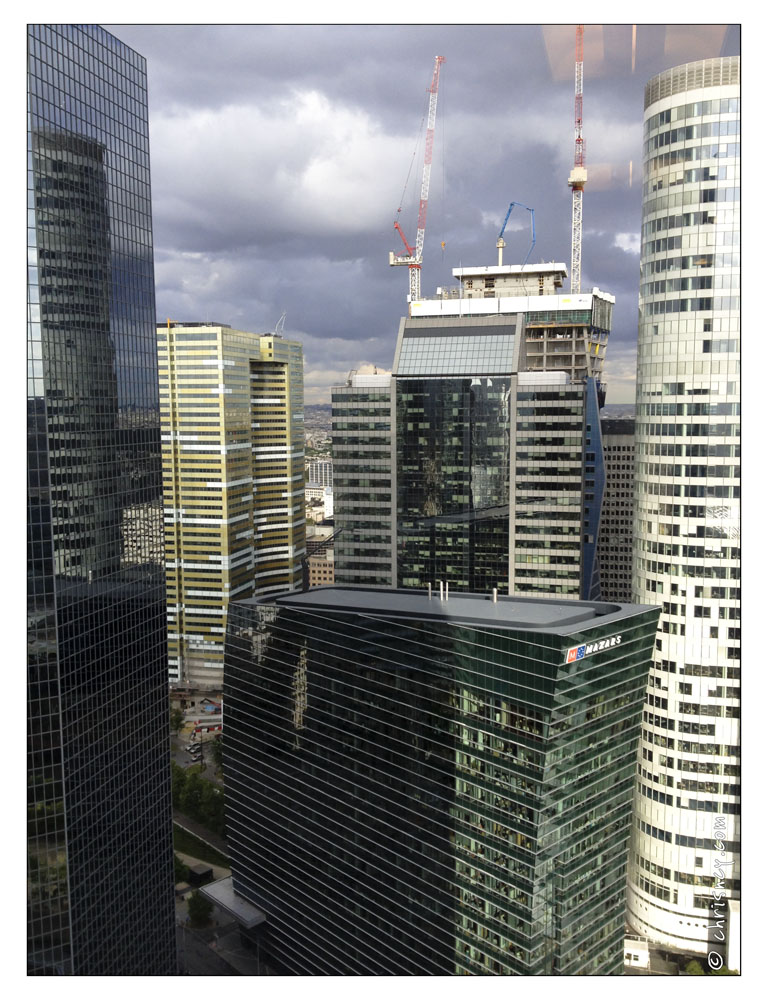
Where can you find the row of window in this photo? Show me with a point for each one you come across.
(684, 133)
(695, 109)
(688, 261)
(664, 306)
(707, 151)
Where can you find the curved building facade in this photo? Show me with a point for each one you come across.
(684, 861)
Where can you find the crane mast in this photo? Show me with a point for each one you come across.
(578, 176)
(413, 255)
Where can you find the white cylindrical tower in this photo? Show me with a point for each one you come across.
(684, 851)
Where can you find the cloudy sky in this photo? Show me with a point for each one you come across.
(280, 155)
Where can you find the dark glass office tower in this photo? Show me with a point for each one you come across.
(453, 481)
(497, 464)
(419, 786)
(100, 880)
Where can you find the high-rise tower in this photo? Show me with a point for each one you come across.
(424, 786)
(100, 876)
(484, 444)
(363, 499)
(232, 412)
(614, 549)
(686, 555)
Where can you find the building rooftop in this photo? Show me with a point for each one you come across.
(369, 381)
(196, 324)
(497, 270)
(560, 617)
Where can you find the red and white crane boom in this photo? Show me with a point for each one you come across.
(578, 176)
(413, 255)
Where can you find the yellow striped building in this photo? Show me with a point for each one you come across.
(232, 424)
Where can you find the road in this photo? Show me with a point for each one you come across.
(180, 756)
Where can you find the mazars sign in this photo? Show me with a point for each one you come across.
(579, 652)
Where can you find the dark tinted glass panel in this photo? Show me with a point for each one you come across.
(101, 896)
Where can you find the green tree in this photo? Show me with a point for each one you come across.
(191, 795)
(217, 751)
(177, 720)
(200, 909)
(212, 808)
(178, 783)
(693, 968)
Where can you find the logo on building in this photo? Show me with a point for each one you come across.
(579, 652)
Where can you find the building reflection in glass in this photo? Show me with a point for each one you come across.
(100, 875)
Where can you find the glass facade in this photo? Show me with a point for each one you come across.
(100, 876)
(419, 787)
(557, 490)
(687, 514)
(614, 549)
(484, 467)
(453, 481)
(449, 351)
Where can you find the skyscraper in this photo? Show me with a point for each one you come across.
(418, 786)
(231, 412)
(495, 473)
(100, 877)
(614, 549)
(320, 471)
(686, 555)
(364, 512)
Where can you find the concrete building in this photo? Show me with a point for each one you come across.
(485, 441)
(419, 786)
(364, 499)
(321, 568)
(231, 409)
(320, 471)
(686, 556)
(614, 545)
(99, 851)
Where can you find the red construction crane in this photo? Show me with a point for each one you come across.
(413, 256)
(578, 176)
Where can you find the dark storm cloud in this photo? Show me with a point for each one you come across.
(279, 155)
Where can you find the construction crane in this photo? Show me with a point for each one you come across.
(500, 244)
(578, 176)
(413, 255)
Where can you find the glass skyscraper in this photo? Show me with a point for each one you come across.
(100, 876)
(479, 462)
(685, 852)
(419, 786)
(616, 524)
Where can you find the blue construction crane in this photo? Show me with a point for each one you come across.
(500, 241)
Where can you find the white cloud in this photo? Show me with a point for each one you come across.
(303, 165)
(318, 381)
(629, 242)
(620, 371)
(496, 220)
